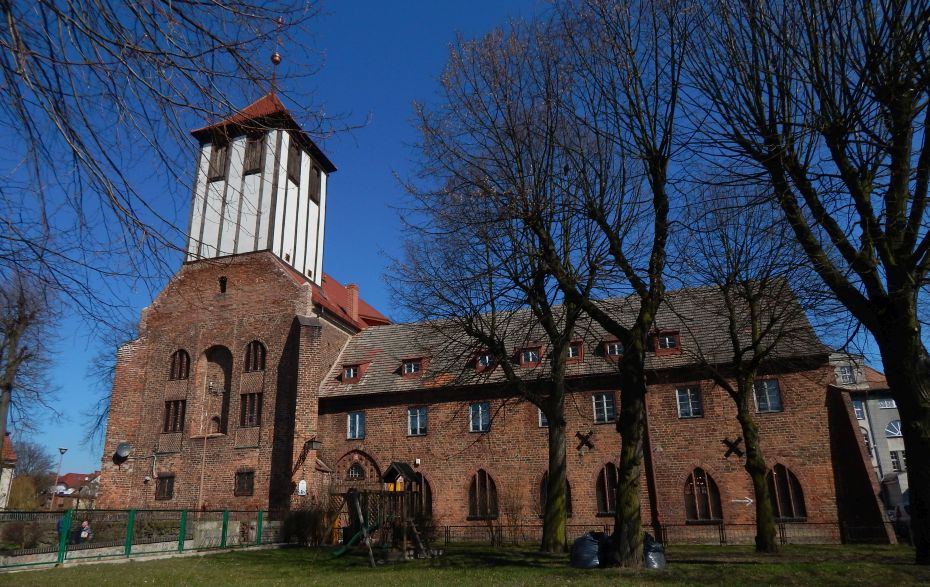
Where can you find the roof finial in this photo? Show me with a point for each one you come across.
(276, 57)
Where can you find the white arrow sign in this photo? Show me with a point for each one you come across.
(746, 500)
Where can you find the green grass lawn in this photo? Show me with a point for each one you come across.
(488, 567)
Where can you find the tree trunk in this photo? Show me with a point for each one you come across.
(755, 466)
(627, 543)
(907, 368)
(5, 393)
(556, 506)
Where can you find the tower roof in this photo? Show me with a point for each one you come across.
(267, 111)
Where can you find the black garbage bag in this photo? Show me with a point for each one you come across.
(585, 550)
(653, 553)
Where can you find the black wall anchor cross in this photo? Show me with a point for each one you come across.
(585, 439)
(733, 446)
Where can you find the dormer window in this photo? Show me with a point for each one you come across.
(350, 373)
(847, 375)
(529, 357)
(575, 351)
(218, 155)
(485, 361)
(613, 349)
(667, 343)
(412, 367)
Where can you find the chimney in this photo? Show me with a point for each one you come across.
(352, 300)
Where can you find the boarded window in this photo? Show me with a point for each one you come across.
(174, 416)
(293, 161)
(482, 497)
(245, 483)
(253, 154)
(702, 499)
(164, 487)
(218, 156)
(250, 410)
(316, 184)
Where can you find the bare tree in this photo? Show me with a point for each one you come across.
(98, 101)
(25, 322)
(739, 248)
(492, 158)
(827, 103)
(33, 459)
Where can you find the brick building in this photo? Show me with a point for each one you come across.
(259, 381)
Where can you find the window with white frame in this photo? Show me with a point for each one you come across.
(898, 461)
(412, 366)
(603, 407)
(689, 402)
(613, 349)
(416, 421)
(859, 409)
(847, 375)
(350, 373)
(479, 417)
(543, 420)
(893, 429)
(529, 356)
(667, 341)
(574, 350)
(887, 404)
(355, 426)
(768, 396)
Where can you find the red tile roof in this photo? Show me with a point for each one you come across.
(267, 107)
(875, 379)
(74, 480)
(9, 454)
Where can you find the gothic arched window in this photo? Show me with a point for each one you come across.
(482, 497)
(786, 495)
(702, 499)
(544, 495)
(254, 357)
(180, 365)
(607, 489)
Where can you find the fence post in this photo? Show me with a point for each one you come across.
(258, 527)
(64, 530)
(130, 527)
(225, 526)
(182, 531)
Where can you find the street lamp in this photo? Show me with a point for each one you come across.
(61, 451)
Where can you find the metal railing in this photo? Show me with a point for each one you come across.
(31, 538)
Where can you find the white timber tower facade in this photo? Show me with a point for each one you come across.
(260, 185)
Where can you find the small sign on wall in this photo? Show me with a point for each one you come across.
(302, 487)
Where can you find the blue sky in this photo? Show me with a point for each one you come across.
(379, 57)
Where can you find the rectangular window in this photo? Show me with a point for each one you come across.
(252, 162)
(355, 428)
(293, 160)
(667, 341)
(603, 407)
(859, 408)
(574, 350)
(316, 185)
(245, 483)
(250, 410)
(887, 404)
(164, 487)
(350, 374)
(768, 395)
(543, 420)
(174, 415)
(613, 349)
(416, 421)
(218, 154)
(847, 375)
(689, 402)
(479, 417)
(529, 357)
(898, 462)
(485, 361)
(412, 367)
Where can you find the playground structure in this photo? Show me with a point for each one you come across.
(394, 516)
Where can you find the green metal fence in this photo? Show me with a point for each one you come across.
(33, 538)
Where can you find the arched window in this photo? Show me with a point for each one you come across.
(254, 357)
(482, 497)
(356, 472)
(544, 495)
(607, 489)
(893, 429)
(786, 495)
(702, 499)
(180, 365)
